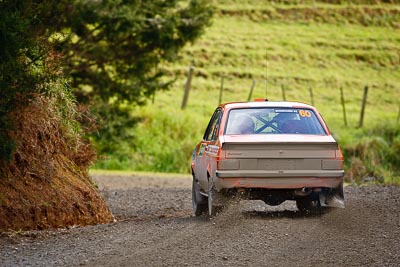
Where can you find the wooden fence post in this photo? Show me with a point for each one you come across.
(251, 90)
(220, 90)
(187, 87)
(283, 92)
(363, 104)
(343, 106)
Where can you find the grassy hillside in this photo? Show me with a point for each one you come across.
(295, 46)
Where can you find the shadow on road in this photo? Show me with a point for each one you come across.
(291, 214)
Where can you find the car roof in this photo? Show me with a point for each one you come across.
(256, 104)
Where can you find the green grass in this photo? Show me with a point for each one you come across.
(298, 55)
(321, 56)
(137, 173)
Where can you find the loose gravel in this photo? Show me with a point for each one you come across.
(155, 227)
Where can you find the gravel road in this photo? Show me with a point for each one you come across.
(155, 227)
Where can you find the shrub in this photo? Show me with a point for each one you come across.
(375, 157)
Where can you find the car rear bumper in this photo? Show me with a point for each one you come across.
(279, 173)
(280, 182)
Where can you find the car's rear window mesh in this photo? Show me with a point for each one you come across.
(273, 121)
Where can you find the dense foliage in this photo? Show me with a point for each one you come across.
(112, 49)
(374, 157)
(44, 159)
(109, 51)
(26, 65)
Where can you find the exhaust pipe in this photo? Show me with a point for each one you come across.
(303, 192)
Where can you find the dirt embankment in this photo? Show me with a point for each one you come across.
(45, 184)
(155, 227)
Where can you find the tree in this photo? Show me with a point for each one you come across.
(109, 51)
(44, 159)
(25, 63)
(112, 51)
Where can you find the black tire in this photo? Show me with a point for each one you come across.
(273, 201)
(308, 205)
(216, 200)
(199, 202)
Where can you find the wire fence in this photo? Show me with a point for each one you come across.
(284, 89)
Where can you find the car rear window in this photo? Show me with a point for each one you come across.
(273, 121)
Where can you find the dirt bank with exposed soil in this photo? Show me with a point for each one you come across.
(155, 227)
(45, 183)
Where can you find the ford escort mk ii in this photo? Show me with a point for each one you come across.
(270, 151)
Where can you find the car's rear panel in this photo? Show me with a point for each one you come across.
(279, 161)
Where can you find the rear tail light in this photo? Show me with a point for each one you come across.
(338, 154)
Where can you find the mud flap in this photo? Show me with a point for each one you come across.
(333, 198)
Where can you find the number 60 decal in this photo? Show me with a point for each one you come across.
(305, 113)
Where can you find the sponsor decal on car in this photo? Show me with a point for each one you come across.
(212, 150)
(285, 111)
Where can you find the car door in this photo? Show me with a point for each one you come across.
(206, 154)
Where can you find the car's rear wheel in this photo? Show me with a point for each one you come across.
(199, 202)
(216, 201)
(308, 205)
(273, 200)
